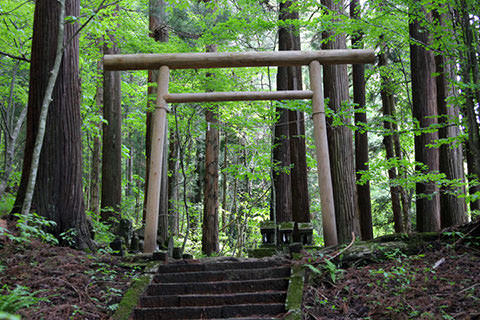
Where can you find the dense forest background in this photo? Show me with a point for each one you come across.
(419, 110)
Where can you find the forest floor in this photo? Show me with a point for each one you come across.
(440, 281)
(60, 283)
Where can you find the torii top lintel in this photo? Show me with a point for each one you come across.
(236, 59)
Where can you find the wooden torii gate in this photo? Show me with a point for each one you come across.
(165, 62)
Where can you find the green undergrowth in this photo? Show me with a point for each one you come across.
(12, 300)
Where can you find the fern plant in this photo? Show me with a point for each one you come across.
(9, 316)
(31, 226)
(17, 299)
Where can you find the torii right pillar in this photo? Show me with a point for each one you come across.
(323, 159)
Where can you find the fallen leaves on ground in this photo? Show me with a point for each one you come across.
(441, 282)
(72, 284)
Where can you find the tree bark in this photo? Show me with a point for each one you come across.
(424, 95)
(173, 217)
(472, 180)
(282, 178)
(361, 137)
(298, 155)
(340, 138)
(469, 66)
(388, 105)
(58, 194)
(224, 179)
(96, 160)
(210, 242)
(111, 197)
(10, 143)
(452, 207)
(11, 131)
(129, 170)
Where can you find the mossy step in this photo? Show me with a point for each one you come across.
(212, 299)
(216, 287)
(212, 312)
(223, 275)
(249, 318)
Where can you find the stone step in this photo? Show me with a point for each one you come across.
(157, 289)
(249, 318)
(223, 275)
(194, 266)
(210, 312)
(212, 299)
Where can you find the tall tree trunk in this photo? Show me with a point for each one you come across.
(298, 155)
(282, 179)
(298, 209)
(129, 170)
(361, 138)
(469, 67)
(452, 207)
(58, 192)
(472, 179)
(210, 242)
(10, 143)
(172, 183)
(340, 138)
(197, 194)
(96, 157)
(224, 179)
(11, 131)
(424, 95)
(405, 196)
(95, 178)
(388, 106)
(112, 139)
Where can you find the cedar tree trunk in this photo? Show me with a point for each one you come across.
(112, 140)
(282, 179)
(388, 107)
(452, 207)
(210, 242)
(58, 194)
(424, 97)
(361, 137)
(340, 138)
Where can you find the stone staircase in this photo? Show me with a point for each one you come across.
(216, 289)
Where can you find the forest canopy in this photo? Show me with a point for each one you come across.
(403, 133)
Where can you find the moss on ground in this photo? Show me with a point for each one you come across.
(131, 297)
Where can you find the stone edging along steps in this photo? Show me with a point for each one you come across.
(220, 288)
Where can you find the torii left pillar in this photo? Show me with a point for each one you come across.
(159, 123)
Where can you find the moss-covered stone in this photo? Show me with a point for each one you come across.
(267, 225)
(289, 225)
(294, 315)
(262, 252)
(293, 303)
(132, 295)
(304, 226)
